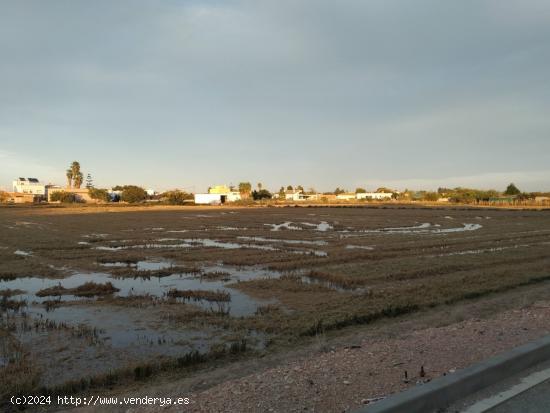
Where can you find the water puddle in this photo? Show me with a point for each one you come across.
(95, 235)
(285, 225)
(117, 329)
(424, 228)
(359, 247)
(23, 253)
(141, 246)
(186, 243)
(323, 226)
(140, 265)
(466, 227)
(481, 251)
(284, 241)
(240, 304)
(205, 242)
(317, 253)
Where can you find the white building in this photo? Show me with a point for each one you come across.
(217, 199)
(298, 195)
(293, 195)
(29, 186)
(374, 195)
(345, 197)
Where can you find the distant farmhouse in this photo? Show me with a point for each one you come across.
(29, 186)
(346, 196)
(350, 196)
(374, 195)
(298, 195)
(81, 194)
(217, 195)
(28, 190)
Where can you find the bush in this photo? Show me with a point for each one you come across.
(64, 197)
(261, 194)
(177, 197)
(133, 194)
(431, 196)
(99, 194)
(4, 196)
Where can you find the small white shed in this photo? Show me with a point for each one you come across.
(210, 199)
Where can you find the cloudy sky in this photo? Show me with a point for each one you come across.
(321, 93)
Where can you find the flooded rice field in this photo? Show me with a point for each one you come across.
(86, 292)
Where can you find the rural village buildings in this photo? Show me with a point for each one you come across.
(27, 190)
(31, 190)
(297, 195)
(29, 186)
(346, 197)
(217, 195)
(374, 195)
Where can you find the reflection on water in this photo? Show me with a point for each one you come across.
(138, 330)
(240, 305)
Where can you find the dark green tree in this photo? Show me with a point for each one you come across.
(99, 194)
(133, 194)
(261, 194)
(512, 190)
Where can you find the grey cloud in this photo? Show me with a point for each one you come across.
(334, 91)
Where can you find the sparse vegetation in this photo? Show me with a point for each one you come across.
(64, 197)
(89, 289)
(198, 295)
(177, 197)
(99, 194)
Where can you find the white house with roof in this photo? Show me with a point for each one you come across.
(299, 195)
(29, 186)
(293, 195)
(217, 195)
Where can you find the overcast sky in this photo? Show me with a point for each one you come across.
(319, 93)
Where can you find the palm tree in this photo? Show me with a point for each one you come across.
(74, 176)
(69, 175)
(75, 168)
(245, 188)
(78, 180)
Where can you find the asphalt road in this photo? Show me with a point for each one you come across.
(534, 400)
